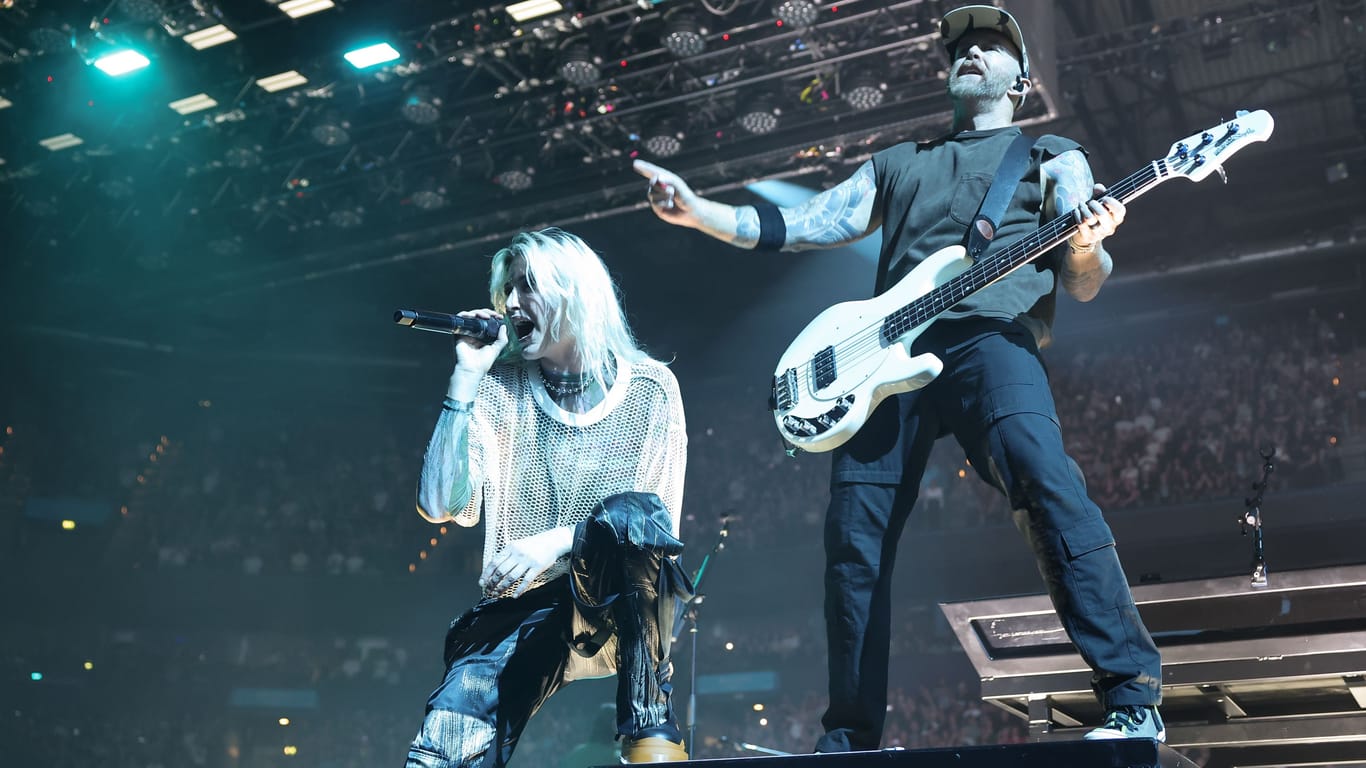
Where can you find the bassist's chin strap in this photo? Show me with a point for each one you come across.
(1008, 175)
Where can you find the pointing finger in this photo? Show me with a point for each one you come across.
(648, 170)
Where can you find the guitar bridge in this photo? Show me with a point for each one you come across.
(784, 397)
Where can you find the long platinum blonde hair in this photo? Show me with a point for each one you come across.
(581, 296)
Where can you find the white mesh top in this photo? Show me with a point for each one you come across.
(534, 466)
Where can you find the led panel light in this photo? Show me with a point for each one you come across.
(195, 103)
(63, 141)
(297, 8)
(121, 62)
(371, 55)
(209, 37)
(5, 103)
(532, 9)
(282, 81)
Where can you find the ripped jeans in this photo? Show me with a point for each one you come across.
(506, 656)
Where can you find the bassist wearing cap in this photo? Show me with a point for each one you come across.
(979, 374)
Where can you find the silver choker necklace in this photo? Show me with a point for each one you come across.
(565, 385)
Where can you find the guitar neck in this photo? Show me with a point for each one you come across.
(997, 265)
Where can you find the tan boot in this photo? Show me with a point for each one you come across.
(655, 747)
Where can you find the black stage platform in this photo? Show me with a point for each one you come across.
(1123, 753)
(1258, 676)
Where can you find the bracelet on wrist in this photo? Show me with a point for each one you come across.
(1088, 248)
(457, 406)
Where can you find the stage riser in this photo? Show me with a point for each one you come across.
(1131, 753)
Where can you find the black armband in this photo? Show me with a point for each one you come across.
(772, 228)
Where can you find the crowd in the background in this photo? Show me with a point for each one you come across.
(1178, 418)
(305, 495)
(161, 701)
(1174, 418)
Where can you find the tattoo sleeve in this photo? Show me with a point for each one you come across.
(1072, 181)
(1081, 273)
(444, 485)
(842, 214)
(746, 227)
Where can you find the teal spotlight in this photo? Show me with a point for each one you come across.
(35, 676)
(371, 55)
(121, 62)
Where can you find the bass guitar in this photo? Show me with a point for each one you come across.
(856, 354)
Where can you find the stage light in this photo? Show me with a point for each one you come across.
(68, 525)
(297, 8)
(121, 62)
(282, 81)
(663, 138)
(421, 107)
(64, 141)
(577, 65)
(347, 217)
(759, 115)
(209, 37)
(195, 103)
(284, 721)
(516, 176)
(796, 13)
(683, 35)
(429, 195)
(117, 189)
(371, 55)
(50, 39)
(531, 9)
(5, 103)
(89, 665)
(331, 129)
(863, 91)
(243, 154)
(35, 676)
(40, 208)
(142, 10)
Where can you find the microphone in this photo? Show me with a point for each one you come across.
(476, 328)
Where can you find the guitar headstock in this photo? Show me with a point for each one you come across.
(1201, 154)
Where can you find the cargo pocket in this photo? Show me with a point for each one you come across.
(1092, 565)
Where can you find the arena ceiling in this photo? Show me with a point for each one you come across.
(484, 125)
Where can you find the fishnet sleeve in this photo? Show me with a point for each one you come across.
(664, 459)
(482, 447)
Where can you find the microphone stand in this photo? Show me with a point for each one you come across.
(689, 616)
(1253, 517)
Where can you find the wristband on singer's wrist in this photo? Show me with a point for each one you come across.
(457, 406)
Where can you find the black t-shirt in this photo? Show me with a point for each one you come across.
(929, 194)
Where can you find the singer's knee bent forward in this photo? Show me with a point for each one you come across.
(450, 740)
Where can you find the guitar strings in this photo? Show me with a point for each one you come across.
(867, 341)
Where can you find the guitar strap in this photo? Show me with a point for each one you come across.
(1002, 189)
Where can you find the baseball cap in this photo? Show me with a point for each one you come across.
(960, 21)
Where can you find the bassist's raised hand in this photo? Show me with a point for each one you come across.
(670, 196)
